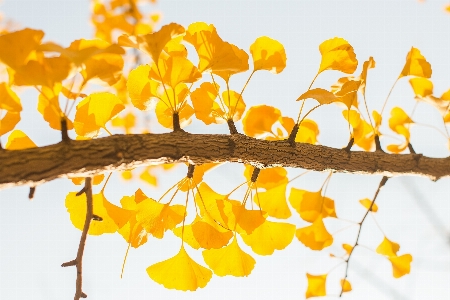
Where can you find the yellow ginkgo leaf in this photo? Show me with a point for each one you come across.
(207, 202)
(48, 106)
(315, 236)
(229, 260)
(180, 272)
(18, 140)
(206, 108)
(416, 65)
(46, 72)
(270, 236)
(167, 106)
(316, 285)
(15, 47)
(172, 70)
(273, 201)
(156, 218)
(337, 54)
(322, 96)
(363, 133)
(388, 248)
(8, 99)
(307, 132)
(422, 87)
(398, 120)
(142, 90)
(267, 178)
(113, 217)
(185, 232)
(259, 120)
(348, 248)
(346, 286)
(368, 64)
(348, 93)
(311, 205)
(95, 111)
(238, 218)
(8, 122)
(401, 265)
(268, 54)
(367, 202)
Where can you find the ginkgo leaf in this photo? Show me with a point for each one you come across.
(316, 285)
(8, 122)
(197, 177)
(268, 54)
(206, 108)
(113, 217)
(95, 111)
(346, 286)
(348, 93)
(367, 202)
(273, 201)
(207, 202)
(259, 120)
(398, 120)
(15, 47)
(185, 232)
(173, 102)
(422, 87)
(267, 178)
(322, 96)
(270, 236)
(368, 64)
(229, 260)
(172, 70)
(156, 218)
(311, 205)
(401, 265)
(96, 180)
(363, 133)
(18, 140)
(307, 132)
(215, 55)
(337, 54)
(348, 248)
(46, 72)
(141, 89)
(127, 122)
(416, 65)
(388, 248)
(8, 99)
(238, 218)
(48, 106)
(107, 68)
(315, 236)
(180, 272)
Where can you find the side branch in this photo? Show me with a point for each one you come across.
(121, 152)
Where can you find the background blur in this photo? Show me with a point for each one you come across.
(37, 236)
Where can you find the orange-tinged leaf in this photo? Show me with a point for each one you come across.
(259, 120)
(207, 202)
(240, 63)
(388, 248)
(337, 54)
(206, 108)
(316, 285)
(187, 235)
(164, 113)
(267, 178)
(367, 202)
(270, 236)
(15, 47)
(348, 248)
(209, 237)
(273, 201)
(311, 205)
(346, 286)
(398, 120)
(348, 93)
(229, 260)
(148, 177)
(18, 140)
(141, 89)
(401, 265)
(235, 104)
(268, 54)
(315, 236)
(46, 72)
(9, 99)
(95, 111)
(107, 68)
(422, 87)
(320, 95)
(238, 218)
(173, 70)
(113, 217)
(307, 132)
(416, 65)
(363, 133)
(8, 122)
(180, 272)
(156, 218)
(368, 64)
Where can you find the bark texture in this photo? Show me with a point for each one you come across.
(120, 152)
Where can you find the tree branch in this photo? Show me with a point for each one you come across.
(121, 152)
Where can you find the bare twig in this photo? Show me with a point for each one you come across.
(347, 261)
(78, 261)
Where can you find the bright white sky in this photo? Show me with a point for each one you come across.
(37, 236)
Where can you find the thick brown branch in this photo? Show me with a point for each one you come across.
(120, 152)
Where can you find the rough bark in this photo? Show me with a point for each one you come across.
(120, 152)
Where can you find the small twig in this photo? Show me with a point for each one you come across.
(64, 134)
(378, 144)
(293, 135)
(350, 144)
(31, 193)
(255, 174)
(176, 121)
(190, 172)
(232, 127)
(411, 149)
(347, 261)
(78, 261)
